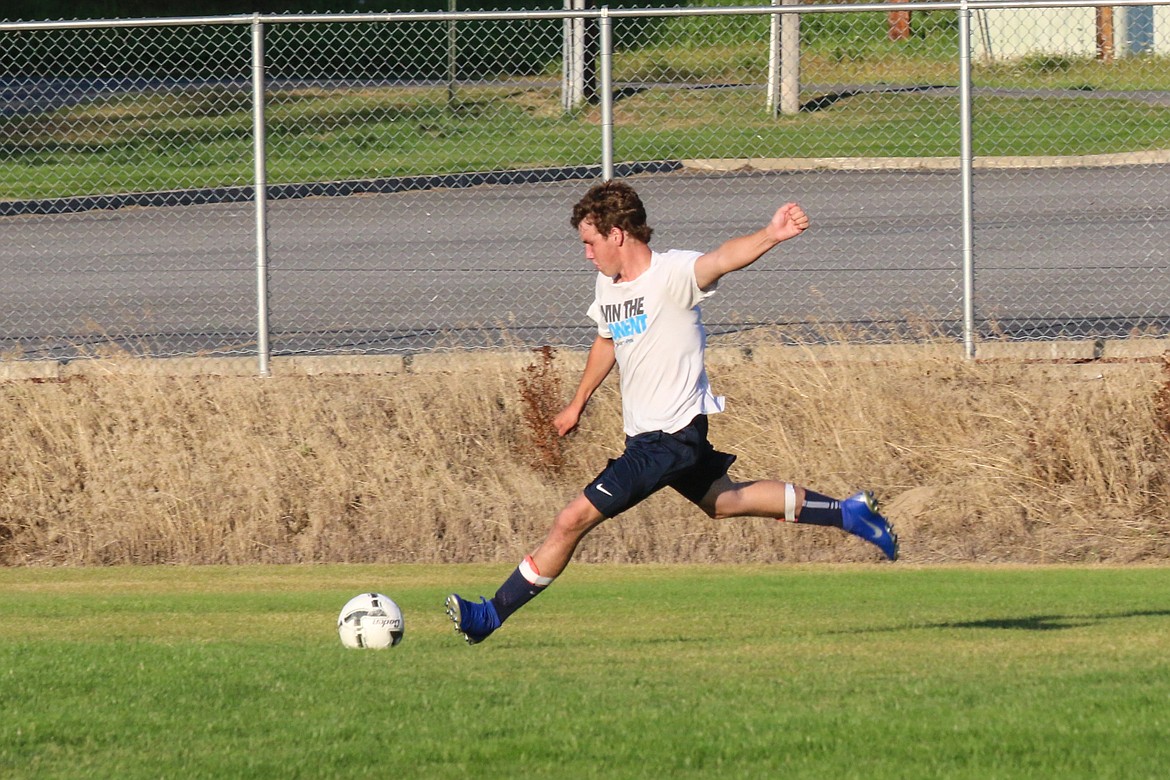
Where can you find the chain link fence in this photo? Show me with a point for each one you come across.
(380, 183)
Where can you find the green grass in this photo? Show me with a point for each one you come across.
(201, 136)
(91, 152)
(657, 671)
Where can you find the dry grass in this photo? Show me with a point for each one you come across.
(1004, 461)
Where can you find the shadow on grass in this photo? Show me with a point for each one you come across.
(822, 102)
(1049, 622)
(1029, 623)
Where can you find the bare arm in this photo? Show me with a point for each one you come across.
(788, 222)
(600, 362)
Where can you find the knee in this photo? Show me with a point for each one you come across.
(722, 500)
(576, 520)
(722, 505)
(711, 510)
(719, 513)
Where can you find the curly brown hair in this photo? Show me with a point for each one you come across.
(613, 204)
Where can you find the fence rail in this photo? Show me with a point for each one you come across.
(281, 184)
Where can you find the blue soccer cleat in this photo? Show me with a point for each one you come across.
(476, 620)
(860, 517)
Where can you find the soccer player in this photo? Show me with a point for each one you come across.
(646, 307)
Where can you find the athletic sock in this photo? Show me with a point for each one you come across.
(522, 586)
(820, 510)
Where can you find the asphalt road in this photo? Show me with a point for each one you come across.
(1058, 252)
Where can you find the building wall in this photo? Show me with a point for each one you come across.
(1019, 32)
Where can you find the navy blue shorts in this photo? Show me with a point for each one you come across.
(684, 460)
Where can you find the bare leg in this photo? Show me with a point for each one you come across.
(477, 621)
(857, 515)
(570, 527)
(764, 498)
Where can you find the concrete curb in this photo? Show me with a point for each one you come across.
(240, 194)
(1157, 157)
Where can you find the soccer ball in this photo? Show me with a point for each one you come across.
(370, 620)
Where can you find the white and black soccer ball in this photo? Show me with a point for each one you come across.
(370, 620)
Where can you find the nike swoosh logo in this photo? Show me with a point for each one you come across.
(876, 529)
(601, 488)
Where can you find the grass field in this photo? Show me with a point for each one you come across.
(116, 150)
(878, 671)
(873, 103)
(690, 87)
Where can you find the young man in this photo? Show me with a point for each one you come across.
(646, 307)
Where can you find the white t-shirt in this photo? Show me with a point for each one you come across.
(658, 336)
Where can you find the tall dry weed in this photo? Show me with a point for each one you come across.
(1162, 398)
(974, 461)
(541, 398)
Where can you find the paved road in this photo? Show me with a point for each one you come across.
(1062, 251)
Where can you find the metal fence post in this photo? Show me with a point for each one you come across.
(606, 94)
(965, 162)
(452, 54)
(260, 194)
(567, 59)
